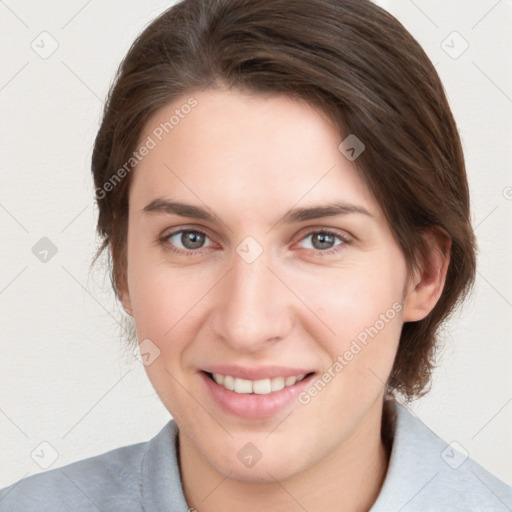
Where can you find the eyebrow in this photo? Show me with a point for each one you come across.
(165, 207)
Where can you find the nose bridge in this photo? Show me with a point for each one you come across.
(253, 308)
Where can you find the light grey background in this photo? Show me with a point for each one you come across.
(66, 380)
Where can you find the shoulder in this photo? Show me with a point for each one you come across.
(109, 481)
(427, 474)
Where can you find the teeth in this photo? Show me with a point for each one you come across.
(259, 387)
(243, 385)
(290, 381)
(277, 383)
(262, 387)
(229, 382)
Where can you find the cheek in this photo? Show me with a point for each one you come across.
(358, 298)
(162, 310)
(166, 307)
(366, 316)
(167, 303)
(362, 307)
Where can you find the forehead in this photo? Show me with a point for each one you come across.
(233, 149)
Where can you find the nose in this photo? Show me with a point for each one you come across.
(252, 306)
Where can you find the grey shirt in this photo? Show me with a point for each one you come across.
(424, 474)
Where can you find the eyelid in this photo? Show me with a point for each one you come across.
(342, 235)
(345, 238)
(306, 231)
(167, 234)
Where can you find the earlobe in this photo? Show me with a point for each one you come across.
(127, 306)
(124, 297)
(427, 283)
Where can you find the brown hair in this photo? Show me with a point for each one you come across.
(363, 69)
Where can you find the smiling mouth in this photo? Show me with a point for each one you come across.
(256, 387)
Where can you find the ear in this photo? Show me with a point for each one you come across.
(124, 295)
(127, 305)
(427, 282)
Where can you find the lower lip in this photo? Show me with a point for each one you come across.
(251, 405)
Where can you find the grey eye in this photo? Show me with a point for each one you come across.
(321, 240)
(189, 239)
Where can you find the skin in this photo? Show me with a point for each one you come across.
(250, 159)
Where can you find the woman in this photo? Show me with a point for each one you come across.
(282, 190)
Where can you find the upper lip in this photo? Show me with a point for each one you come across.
(262, 372)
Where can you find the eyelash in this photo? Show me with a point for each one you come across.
(168, 247)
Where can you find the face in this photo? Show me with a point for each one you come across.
(255, 281)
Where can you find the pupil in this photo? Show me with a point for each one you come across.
(192, 239)
(324, 239)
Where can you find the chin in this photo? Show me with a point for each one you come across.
(261, 472)
(273, 464)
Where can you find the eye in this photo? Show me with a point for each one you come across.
(188, 242)
(190, 239)
(322, 241)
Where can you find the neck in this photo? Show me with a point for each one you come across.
(349, 479)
